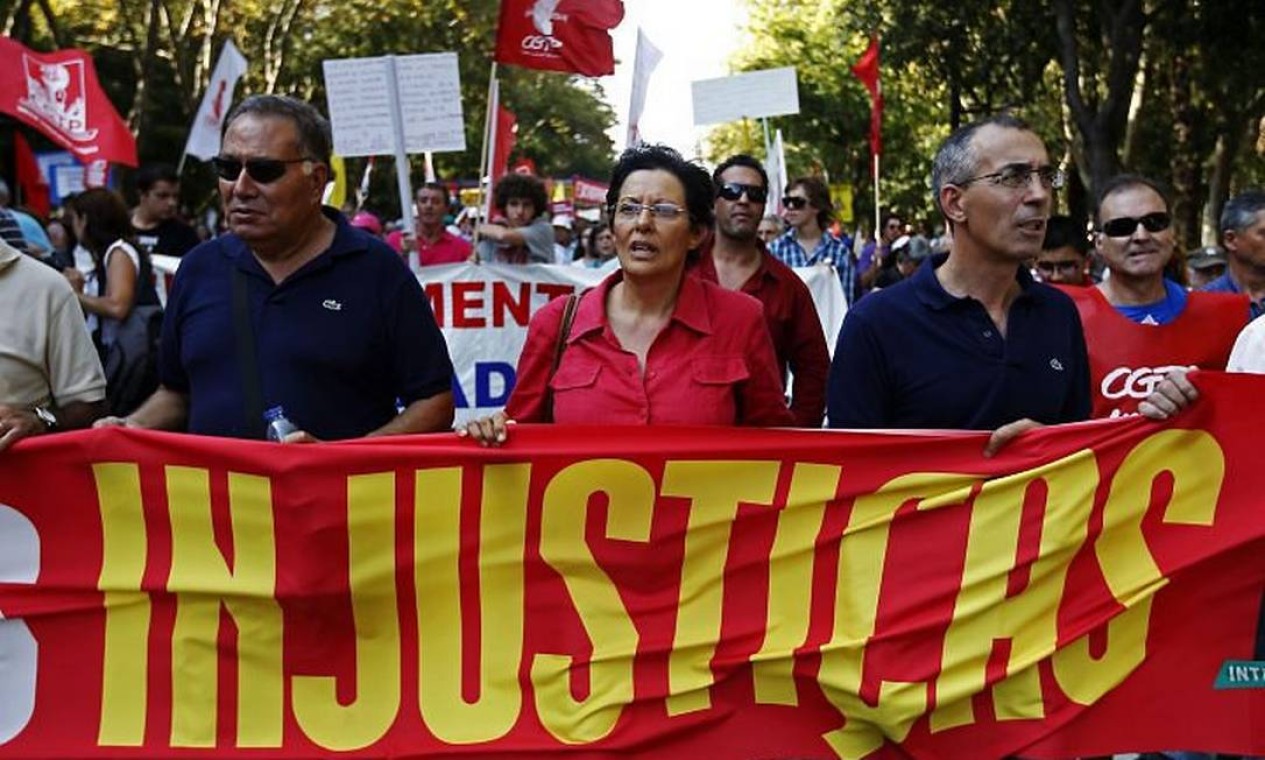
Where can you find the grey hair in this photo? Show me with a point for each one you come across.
(1241, 211)
(955, 160)
(315, 140)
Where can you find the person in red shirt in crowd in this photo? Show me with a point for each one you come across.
(736, 259)
(650, 345)
(1139, 325)
(433, 242)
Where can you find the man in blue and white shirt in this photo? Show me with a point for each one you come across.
(808, 211)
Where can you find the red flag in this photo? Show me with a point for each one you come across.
(559, 35)
(866, 69)
(503, 142)
(58, 94)
(32, 184)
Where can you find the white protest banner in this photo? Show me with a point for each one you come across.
(362, 93)
(483, 312)
(752, 94)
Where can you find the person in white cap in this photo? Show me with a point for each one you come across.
(563, 239)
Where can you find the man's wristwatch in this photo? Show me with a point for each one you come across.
(47, 417)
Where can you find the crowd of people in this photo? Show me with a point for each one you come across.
(1010, 319)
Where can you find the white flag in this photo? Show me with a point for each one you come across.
(648, 57)
(775, 165)
(204, 135)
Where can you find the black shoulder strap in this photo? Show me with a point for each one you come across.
(564, 332)
(247, 359)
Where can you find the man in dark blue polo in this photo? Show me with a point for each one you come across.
(970, 341)
(294, 308)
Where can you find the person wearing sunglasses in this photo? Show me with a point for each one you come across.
(1064, 256)
(807, 241)
(876, 255)
(1143, 324)
(651, 344)
(294, 307)
(970, 340)
(735, 258)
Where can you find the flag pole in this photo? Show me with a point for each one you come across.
(485, 158)
(877, 212)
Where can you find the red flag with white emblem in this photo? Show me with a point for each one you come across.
(559, 35)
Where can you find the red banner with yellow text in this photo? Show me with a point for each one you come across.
(652, 592)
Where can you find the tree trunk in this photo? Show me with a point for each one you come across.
(1186, 169)
(1228, 144)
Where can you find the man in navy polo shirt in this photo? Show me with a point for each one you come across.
(294, 308)
(970, 341)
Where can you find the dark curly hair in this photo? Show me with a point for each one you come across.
(699, 199)
(523, 186)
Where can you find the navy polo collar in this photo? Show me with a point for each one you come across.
(929, 290)
(347, 241)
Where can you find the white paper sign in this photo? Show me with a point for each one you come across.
(753, 94)
(360, 95)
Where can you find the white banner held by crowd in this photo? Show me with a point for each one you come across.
(752, 94)
(483, 312)
(204, 135)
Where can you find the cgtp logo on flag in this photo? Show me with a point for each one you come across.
(55, 96)
(543, 14)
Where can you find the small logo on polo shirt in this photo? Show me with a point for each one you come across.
(332, 305)
(1056, 364)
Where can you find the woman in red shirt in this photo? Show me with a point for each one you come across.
(649, 345)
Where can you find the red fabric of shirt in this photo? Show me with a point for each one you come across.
(448, 249)
(713, 364)
(798, 341)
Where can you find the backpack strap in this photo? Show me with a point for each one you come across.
(568, 317)
(247, 358)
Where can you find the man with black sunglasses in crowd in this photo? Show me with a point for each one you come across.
(1143, 325)
(807, 241)
(735, 258)
(294, 308)
(970, 341)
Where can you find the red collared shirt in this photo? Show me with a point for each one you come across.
(700, 370)
(447, 249)
(795, 328)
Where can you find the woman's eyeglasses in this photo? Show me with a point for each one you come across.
(630, 210)
(794, 201)
(261, 170)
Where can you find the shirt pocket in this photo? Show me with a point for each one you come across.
(723, 371)
(575, 376)
(712, 398)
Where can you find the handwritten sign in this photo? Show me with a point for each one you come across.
(426, 89)
(753, 94)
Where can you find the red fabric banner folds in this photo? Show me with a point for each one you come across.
(58, 94)
(867, 70)
(559, 35)
(651, 592)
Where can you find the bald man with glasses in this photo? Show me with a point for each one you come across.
(970, 341)
(1142, 324)
(294, 308)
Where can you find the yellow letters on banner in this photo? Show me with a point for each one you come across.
(1197, 465)
(631, 494)
(125, 673)
(437, 541)
(791, 581)
(202, 583)
(375, 609)
(985, 614)
(716, 489)
(862, 556)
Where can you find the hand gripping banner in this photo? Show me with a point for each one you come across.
(645, 592)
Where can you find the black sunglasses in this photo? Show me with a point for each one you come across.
(1124, 226)
(261, 170)
(794, 201)
(732, 191)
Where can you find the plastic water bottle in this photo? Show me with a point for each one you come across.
(279, 426)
